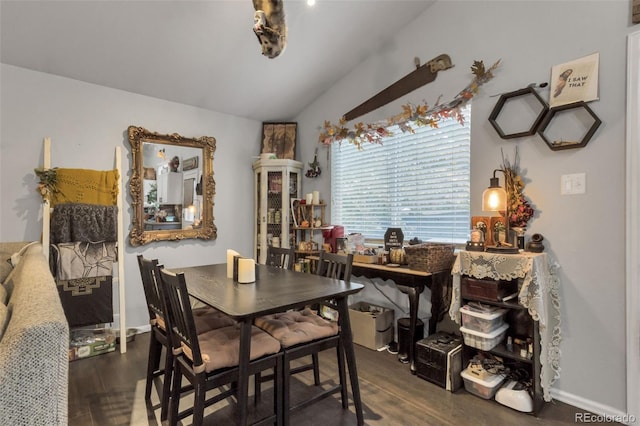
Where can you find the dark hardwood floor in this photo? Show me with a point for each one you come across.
(109, 390)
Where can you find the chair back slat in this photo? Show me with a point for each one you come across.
(333, 265)
(180, 316)
(151, 286)
(280, 257)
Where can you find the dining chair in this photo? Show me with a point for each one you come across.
(304, 333)
(206, 319)
(277, 257)
(210, 360)
(280, 257)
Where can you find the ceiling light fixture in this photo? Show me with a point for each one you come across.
(311, 2)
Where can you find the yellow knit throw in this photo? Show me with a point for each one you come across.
(86, 186)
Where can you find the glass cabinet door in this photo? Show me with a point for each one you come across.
(276, 182)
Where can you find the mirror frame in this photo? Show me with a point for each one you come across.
(138, 235)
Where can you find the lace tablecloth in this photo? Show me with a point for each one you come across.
(538, 293)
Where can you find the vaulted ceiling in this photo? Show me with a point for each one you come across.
(201, 53)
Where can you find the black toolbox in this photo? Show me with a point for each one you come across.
(439, 360)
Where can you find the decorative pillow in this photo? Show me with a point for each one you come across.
(4, 318)
(15, 257)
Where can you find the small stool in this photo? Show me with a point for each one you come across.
(404, 337)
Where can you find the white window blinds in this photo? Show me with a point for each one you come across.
(418, 182)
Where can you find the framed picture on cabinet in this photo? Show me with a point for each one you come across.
(497, 230)
(279, 139)
(482, 223)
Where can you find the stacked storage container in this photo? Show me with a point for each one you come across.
(483, 327)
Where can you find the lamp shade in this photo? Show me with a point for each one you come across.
(494, 198)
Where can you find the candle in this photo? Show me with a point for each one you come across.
(315, 197)
(230, 254)
(246, 270)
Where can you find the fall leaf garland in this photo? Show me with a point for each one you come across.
(412, 115)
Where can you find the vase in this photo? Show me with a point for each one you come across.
(519, 236)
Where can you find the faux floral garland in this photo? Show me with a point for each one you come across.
(418, 115)
(520, 210)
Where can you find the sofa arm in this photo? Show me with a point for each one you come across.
(34, 366)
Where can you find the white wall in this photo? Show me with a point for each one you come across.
(86, 122)
(584, 233)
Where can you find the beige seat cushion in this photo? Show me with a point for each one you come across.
(295, 327)
(220, 348)
(205, 319)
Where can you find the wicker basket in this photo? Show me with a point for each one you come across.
(430, 257)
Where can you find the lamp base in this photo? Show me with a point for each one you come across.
(503, 249)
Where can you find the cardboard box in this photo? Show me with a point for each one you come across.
(88, 343)
(372, 326)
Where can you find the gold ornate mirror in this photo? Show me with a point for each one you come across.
(171, 187)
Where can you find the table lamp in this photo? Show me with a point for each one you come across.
(494, 199)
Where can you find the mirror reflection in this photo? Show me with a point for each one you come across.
(171, 187)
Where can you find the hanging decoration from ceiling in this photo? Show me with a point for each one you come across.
(270, 27)
(411, 116)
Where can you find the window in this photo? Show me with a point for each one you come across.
(417, 182)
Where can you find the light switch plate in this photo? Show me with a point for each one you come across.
(573, 184)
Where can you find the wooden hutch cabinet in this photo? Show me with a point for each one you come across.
(276, 182)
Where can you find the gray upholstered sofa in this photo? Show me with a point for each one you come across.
(34, 340)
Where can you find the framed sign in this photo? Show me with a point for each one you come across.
(280, 139)
(393, 238)
(575, 81)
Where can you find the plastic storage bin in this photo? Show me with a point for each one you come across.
(484, 341)
(484, 388)
(482, 319)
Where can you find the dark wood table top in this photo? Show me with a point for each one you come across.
(275, 289)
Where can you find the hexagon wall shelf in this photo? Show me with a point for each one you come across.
(525, 106)
(580, 123)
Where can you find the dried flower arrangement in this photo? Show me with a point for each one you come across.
(520, 209)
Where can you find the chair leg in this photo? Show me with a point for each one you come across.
(286, 389)
(198, 399)
(166, 385)
(256, 388)
(316, 368)
(343, 376)
(153, 362)
(174, 401)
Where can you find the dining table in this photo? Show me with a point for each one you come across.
(274, 290)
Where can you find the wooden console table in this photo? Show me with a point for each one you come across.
(412, 283)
